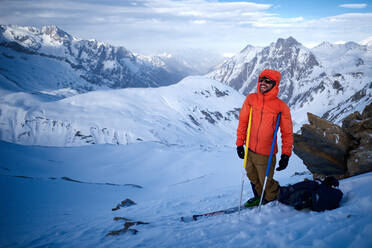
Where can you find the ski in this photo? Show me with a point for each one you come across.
(196, 217)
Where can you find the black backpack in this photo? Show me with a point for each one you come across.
(315, 195)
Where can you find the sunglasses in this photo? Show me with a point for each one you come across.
(266, 80)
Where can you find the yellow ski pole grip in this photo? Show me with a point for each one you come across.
(248, 135)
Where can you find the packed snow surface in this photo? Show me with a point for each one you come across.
(40, 209)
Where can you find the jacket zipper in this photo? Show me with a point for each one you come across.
(259, 126)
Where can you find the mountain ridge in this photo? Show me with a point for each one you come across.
(98, 65)
(313, 80)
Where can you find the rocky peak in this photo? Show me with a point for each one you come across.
(352, 45)
(247, 49)
(56, 33)
(324, 44)
(288, 56)
(286, 43)
(292, 59)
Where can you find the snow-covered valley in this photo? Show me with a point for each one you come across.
(195, 111)
(39, 208)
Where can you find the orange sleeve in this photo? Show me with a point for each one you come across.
(243, 123)
(286, 129)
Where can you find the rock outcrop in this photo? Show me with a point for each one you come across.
(359, 127)
(328, 149)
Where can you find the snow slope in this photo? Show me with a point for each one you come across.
(195, 111)
(40, 209)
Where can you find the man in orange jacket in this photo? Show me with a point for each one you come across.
(265, 108)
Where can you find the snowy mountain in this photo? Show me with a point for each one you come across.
(50, 59)
(234, 71)
(326, 78)
(185, 62)
(197, 111)
(286, 55)
(192, 61)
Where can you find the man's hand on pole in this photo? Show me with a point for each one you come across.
(240, 151)
(283, 163)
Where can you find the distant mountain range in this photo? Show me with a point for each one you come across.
(47, 77)
(330, 80)
(50, 59)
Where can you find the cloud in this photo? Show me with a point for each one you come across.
(210, 9)
(277, 22)
(228, 55)
(354, 6)
(199, 22)
(367, 41)
(145, 26)
(340, 42)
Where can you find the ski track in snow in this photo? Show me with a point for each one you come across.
(59, 213)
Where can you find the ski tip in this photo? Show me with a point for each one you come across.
(187, 219)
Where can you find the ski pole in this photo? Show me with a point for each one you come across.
(269, 162)
(245, 155)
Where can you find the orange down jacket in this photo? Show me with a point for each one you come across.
(266, 108)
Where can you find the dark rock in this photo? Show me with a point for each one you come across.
(327, 149)
(116, 208)
(121, 218)
(336, 85)
(352, 124)
(194, 121)
(367, 112)
(126, 203)
(360, 160)
(132, 223)
(348, 121)
(318, 162)
(220, 93)
(121, 231)
(358, 95)
(208, 117)
(323, 146)
(126, 228)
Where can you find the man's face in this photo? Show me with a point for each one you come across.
(265, 84)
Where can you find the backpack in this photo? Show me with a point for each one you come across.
(315, 195)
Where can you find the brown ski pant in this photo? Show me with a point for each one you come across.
(256, 171)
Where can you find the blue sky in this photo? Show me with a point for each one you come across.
(152, 26)
(315, 8)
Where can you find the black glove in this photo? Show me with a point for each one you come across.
(240, 151)
(283, 163)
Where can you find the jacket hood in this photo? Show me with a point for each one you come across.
(273, 75)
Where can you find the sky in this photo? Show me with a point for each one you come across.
(225, 26)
